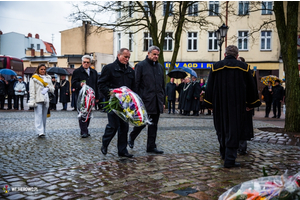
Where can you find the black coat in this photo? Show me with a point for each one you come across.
(267, 94)
(230, 89)
(116, 75)
(91, 80)
(187, 96)
(56, 87)
(10, 87)
(171, 91)
(180, 92)
(278, 93)
(150, 85)
(196, 96)
(2, 88)
(64, 93)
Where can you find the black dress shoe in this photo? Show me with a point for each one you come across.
(84, 136)
(104, 150)
(274, 117)
(232, 165)
(155, 150)
(128, 155)
(130, 143)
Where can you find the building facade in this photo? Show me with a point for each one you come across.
(16, 44)
(199, 46)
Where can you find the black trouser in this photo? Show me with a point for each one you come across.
(152, 131)
(52, 106)
(268, 108)
(84, 125)
(173, 106)
(227, 153)
(115, 124)
(242, 146)
(2, 100)
(16, 104)
(9, 101)
(277, 104)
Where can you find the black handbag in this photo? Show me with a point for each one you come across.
(51, 95)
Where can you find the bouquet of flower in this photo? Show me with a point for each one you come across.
(85, 102)
(266, 188)
(128, 106)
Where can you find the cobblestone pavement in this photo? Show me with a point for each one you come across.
(64, 166)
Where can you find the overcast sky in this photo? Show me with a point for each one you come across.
(37, 17)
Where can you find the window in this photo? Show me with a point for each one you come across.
(130, 41)
(265, 40)
(267, 7)
(147, 41)
(130, 9)
(32, 46)
(72, 66)
(244, 8)
(38, 47)
(119, 40)
(168, 43)
(170, 8)
(243, 40)
(192, 41)
(213, 8)
(119, 9)
(193, 9)
(212, 41)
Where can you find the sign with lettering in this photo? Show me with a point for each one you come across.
(193, 65)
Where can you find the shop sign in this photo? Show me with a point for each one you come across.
(193, 65)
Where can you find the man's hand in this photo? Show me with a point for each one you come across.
(97, 100)
(81, 84)
(111, 93)
(248, 109)
(66, 93)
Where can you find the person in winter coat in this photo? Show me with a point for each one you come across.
(202, 94)
(11, 92)
(85, 75)
(150, 86)
(278, 94)
(267, 97)
(3, 86)
(64, 93)
(115, 75)
(230, 92)
(20, 88)
(171, 95)
(53, 101)
(40, 86)
(196, 96)
(180, 92)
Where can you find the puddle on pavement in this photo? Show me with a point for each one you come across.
(186, 191)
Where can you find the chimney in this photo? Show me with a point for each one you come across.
(42, 52)
(32, 53)
(37, 36)
(29, 35)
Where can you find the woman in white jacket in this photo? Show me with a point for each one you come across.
(39, 86)
(20, 89)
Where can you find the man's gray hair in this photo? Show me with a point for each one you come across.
(153, 48)
(232, 50)
(120, 52)
(87, 57)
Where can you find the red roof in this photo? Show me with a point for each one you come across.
(49, 47)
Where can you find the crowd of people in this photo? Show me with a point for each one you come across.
(230, 93)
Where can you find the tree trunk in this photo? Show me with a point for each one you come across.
(287, 31)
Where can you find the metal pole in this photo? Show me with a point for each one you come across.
(220, 51)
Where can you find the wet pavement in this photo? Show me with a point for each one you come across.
(64, 166)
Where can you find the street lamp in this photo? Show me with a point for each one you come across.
(220, 34)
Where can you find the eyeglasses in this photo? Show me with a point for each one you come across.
(86, 62)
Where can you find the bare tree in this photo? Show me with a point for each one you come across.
(178, 15)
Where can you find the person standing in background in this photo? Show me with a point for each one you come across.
(64, 94)
(3, 86)
(171, 95)
(278, 94)
(11, 92)
(53, 101)
(20, 88)
(267, 97)
(196, 96)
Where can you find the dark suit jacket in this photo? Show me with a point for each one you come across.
(80, 75)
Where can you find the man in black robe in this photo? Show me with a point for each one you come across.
(53, 101)
(196, 97)
(230, 92)
(187, 97)
(180, 92)
(64, 93)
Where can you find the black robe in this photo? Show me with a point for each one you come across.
(230, 89)
(196, 96)
(56, 87)
(180, 92)
(187, 97)
(64, 88)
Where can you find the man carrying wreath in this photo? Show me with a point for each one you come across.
(115, 75)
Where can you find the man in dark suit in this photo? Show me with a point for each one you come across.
(115, 75)
(171, 95)
(85, 75)
(278, 94)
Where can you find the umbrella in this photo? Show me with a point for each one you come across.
(177, 73)
(57, 70)
(271, 78)
(6, 73)
(190, 71)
